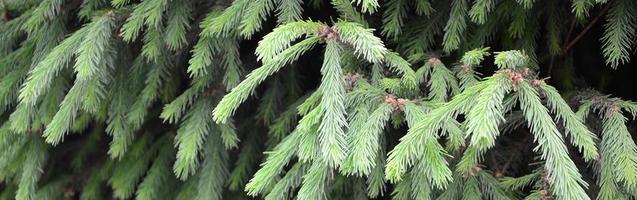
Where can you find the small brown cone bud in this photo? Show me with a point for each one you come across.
(434, 61)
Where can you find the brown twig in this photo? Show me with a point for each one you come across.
(571, 27)
(586, 29)
(569, 44)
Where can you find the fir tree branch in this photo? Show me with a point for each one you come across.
(347, 12)
(255, 13)
(276, 160)
(483, 120)
(364, 143)
(286, 185)
(619, 33)
(620, 149)
(280, 38)
(34, 161)
(367, 6)
(42, 75)
(564, 178)
(315, 182)
(332, 136)
(223, 24)
(581, 8)
(214, 171)
(393, 17)
(289, 11)
(423, 135)
(365, 44)
(158, 174)
(455, 25)
(65, 117)
(90, 53)
(574, 127)
(178, 22)
(480, 10)
(239, 94)
(191, 137)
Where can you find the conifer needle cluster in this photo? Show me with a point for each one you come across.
(293, 99)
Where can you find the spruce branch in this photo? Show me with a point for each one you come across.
(135, 61)
(153, 83)
(347, 12)
(274, 163)
(45, 11)
(42, 75)
(244, 165)
(280, 38)
(178, 23)
(132, 168)
(442, 83)
(581, 7)
(191, 137)
(66, 115)
(475, 56)
(527, 4)
(455, 25)
(91, 51)
(480, 10)
(513, 59)
(315, 182)
(232, 64)
(309, 145)
(222, 23)
(393, 18)
(203, 54)
(255, 13)
(286, 185)
(333, 121)
(376, 182)
(572, 42)
(173, 111)
(158, 174)
(619, 33)
(289, 11)
(565, 180)
(574, 127)
(35, 158)
(420, 141)
(239, 94)
(423, 7)
(618, 148)
(365, 44)
(118, 127)
(483, 120)
(214, 171)
(364, 142)
(367, 6)
(400, 66)
(154, 12)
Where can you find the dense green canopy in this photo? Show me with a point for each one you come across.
(293, 99)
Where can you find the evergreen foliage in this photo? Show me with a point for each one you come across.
(293, 99)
